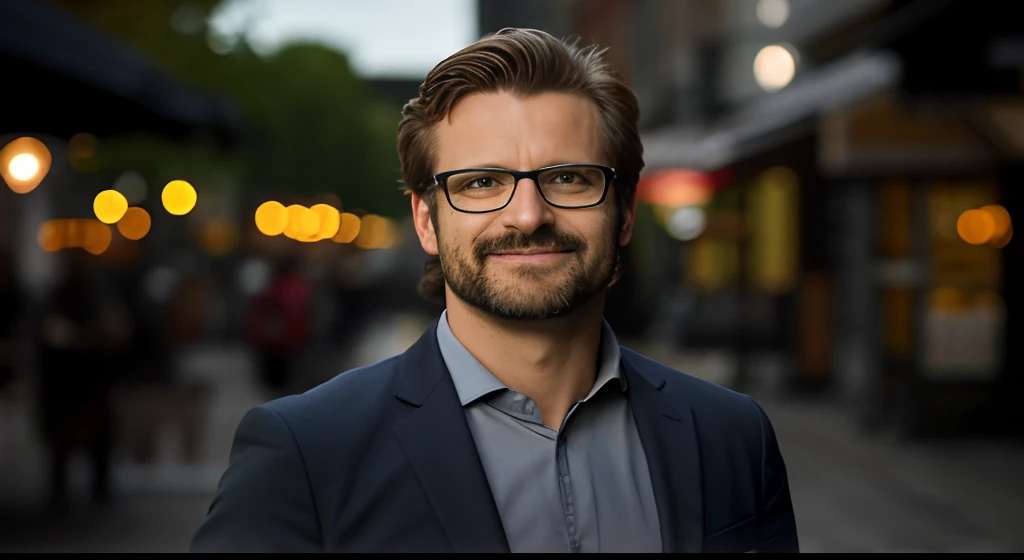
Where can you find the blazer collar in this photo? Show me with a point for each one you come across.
(439, 445)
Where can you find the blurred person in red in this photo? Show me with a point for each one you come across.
(278, 324)
(517, 422)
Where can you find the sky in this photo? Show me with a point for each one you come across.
(383, 38)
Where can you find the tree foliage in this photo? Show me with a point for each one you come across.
(311, 124)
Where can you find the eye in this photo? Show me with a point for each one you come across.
(481, 183)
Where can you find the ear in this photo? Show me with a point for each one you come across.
(628, 219)
(424, 225)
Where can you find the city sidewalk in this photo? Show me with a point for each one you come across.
(851, 494)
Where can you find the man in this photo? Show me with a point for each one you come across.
(516, 423)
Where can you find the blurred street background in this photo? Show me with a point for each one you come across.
(201, 212)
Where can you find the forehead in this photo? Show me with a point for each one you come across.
(505, 130)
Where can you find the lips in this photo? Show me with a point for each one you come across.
(529, 252)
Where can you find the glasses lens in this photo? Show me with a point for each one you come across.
(479, 191)
(573, 186)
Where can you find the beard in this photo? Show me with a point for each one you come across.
(530, 291)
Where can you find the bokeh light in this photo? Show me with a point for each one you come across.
(109, 206)
(330, 220)
(178, 197)
(774, 67)
(309, 224)
(135, 223)
(24, 167)
(271, 218)
(372, 232)
(773, 13)
(348, 228)
(24, 163)
(989, 225)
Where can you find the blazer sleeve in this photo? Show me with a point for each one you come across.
(778, 522)
(264, 501)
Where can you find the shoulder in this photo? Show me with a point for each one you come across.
(341, 412)
(714, 407)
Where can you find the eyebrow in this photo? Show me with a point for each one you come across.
(550, 164)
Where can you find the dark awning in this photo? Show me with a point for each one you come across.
(48, 52)
(773, 118)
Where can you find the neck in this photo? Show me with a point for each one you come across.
(554, 361)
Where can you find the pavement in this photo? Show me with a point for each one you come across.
(850, 493)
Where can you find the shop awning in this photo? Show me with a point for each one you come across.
(45, 49)
(773, 118)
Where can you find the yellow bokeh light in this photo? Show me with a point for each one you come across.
(330, 220)
(309, 224)
(109, 206)
(24, 163)
(179, 197)
(135, 223)
(291, 231)
(348, 228)
(271, 218)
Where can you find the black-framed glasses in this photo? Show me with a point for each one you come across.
(488, 189)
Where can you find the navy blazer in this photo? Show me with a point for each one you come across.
(381, 459)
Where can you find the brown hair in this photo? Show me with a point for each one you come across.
(523, 62)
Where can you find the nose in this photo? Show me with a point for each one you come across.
(527, 211)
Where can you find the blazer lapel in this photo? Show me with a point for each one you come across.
(669, 437)
(437, 441)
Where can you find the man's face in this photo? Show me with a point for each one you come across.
(528, 260)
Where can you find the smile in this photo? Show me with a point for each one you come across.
(530, 256)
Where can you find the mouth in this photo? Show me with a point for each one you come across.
(531, 255)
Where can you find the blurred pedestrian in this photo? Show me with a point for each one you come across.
(278, 325)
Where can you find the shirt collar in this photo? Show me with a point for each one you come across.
(473, 381)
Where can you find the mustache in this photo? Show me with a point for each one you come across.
(544, 238)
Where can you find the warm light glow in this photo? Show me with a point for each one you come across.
(348, 228)
(24, 163)
(51, 236)
(179, 197)
(68, 233)
(97, 237)
(295, 211)
(135, 223)
(676, 187)
(1004, 227)
(372, 232)
(271, 218)
(976, 226)
(774, 67)
(309, 224)
(218, 237)
(109, 206)
(330, 220)
(23, 167)
(988, 225)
